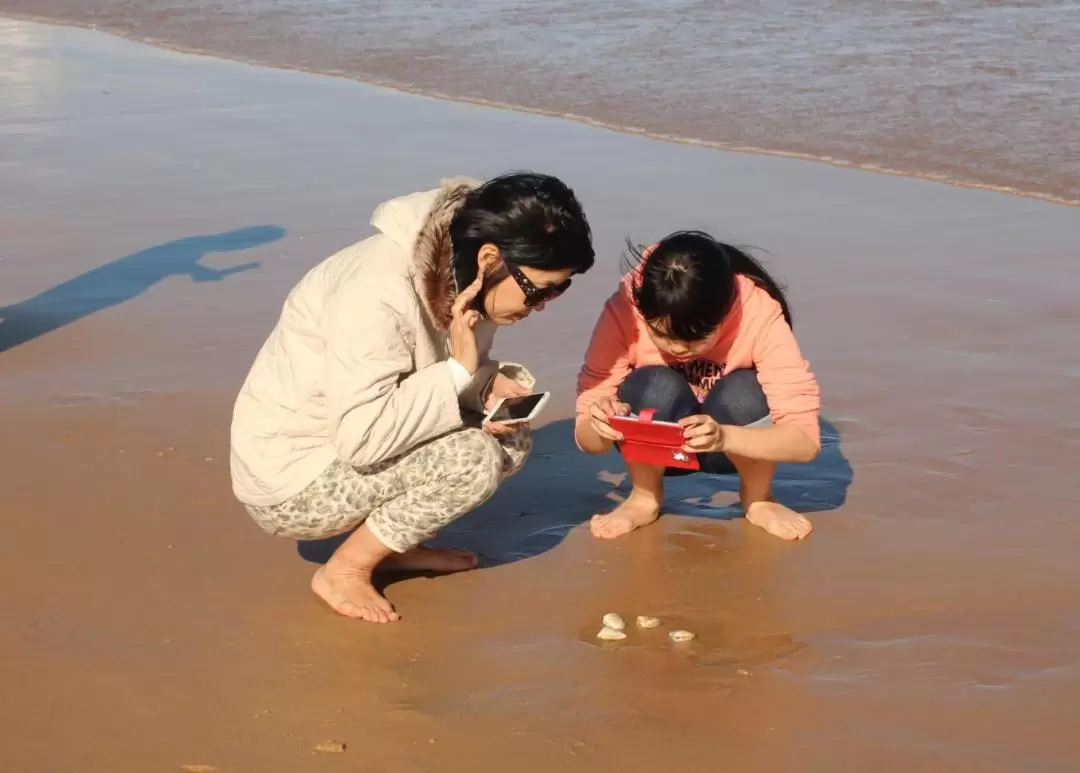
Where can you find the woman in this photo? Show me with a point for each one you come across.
(362, 410)
(699, 332)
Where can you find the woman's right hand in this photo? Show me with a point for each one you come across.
(463, 326)
(600, 413)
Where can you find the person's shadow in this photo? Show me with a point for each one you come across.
(124, 279)
(560, 488)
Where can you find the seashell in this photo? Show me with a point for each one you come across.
(614, 620)
(610, 634)
(645, 621)
(680, 635)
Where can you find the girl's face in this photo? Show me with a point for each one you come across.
(515, 292)
(679, 350)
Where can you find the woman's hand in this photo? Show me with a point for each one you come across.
(499, 429)
(463, 326)
(501, 387)
(703, 435)
(599, 414)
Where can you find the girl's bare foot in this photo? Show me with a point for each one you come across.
(348, 591)
(638, 510)
(778, 520)
(424, 559)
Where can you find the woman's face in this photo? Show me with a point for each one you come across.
(506, 300)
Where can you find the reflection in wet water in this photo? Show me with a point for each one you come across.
(27, 75)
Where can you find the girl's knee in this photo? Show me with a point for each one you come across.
(660, 388)
(738, 399)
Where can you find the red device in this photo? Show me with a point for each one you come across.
(658, 443)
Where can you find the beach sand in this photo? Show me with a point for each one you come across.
(930, 623)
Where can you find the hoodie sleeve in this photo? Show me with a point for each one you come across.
(376, 411)
(608, 359)
(790, 387)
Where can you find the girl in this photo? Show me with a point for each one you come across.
(701, 333)
(361, 411)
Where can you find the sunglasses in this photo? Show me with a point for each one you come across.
(534, 295)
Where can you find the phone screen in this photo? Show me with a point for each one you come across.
(517, 408)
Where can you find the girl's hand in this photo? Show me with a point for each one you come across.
(599, 414)
(501, 387)
(703, 435)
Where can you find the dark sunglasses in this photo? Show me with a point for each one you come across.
(534, 295)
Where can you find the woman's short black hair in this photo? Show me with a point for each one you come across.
(534, 219)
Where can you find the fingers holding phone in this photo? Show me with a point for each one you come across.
(703, 435)
(499, 429)
(599, 414)
(502, 386)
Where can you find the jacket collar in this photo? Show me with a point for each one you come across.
(421, 222)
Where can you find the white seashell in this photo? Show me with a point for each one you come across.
(610, 634)
(614, 620)
(681, 635)
(645, 621)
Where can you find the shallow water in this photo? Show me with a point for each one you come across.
(981, 91)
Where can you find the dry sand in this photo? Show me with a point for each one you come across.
(929, 624)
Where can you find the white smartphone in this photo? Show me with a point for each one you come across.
(518, 410)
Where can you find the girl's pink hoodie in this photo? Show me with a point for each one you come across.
(754, 335)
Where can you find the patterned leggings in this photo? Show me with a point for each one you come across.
(404, 501)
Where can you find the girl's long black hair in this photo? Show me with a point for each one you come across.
(687, 283)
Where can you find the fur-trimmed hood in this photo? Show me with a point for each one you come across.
(420, 222)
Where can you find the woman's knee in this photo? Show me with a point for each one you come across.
(473, 466)
(661, 389)
(738, 399)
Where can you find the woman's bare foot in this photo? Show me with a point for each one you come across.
(348, 591)
(638, 510)
(424, 559)
(780, 521)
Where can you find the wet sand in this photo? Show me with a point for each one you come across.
(929, 624)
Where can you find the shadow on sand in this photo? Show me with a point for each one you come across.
(560, 488)
(125, 278)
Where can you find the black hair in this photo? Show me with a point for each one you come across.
(534, 219)
(687, 283)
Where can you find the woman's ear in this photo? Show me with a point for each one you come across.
(488, 259)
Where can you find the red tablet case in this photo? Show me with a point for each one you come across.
(646, 442)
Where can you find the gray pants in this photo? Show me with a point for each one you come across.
(404, 501)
